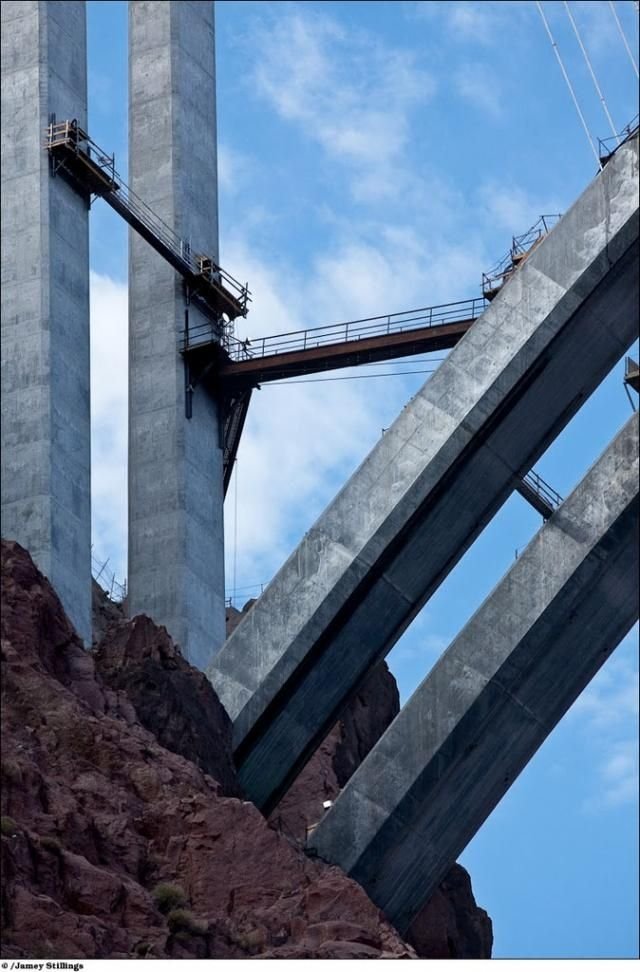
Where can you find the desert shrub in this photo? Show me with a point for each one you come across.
(251, 940)
(10, 771)
(8, 827)
(168, 897)
(51, 844)
(181, 920)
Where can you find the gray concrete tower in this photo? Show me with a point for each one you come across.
(176, 555)
(46, 455)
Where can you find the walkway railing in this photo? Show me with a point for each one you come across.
(347, 331)
(67, 142)
(114, 589)
(608, 146)
(495, 278)
(550, 496)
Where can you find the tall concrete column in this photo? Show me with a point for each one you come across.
(176, 556)
(46, 454)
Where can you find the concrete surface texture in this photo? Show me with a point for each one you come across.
(176, 544)
(495, 694)
(46, 453)
(432, 483)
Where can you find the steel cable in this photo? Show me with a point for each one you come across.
(569, 85)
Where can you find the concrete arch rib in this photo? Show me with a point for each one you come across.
(494, 696)
(432, 483)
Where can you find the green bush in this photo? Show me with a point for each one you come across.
(51, 844)
(10, 771)
(181, 920)
(8, 827)
(167, 897)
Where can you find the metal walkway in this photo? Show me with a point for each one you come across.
(93, 172)
(348, 344)
(544, 498)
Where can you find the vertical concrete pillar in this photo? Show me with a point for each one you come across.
(176, 555)
(46, 454)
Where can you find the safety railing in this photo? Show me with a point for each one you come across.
(68, 137)
(547, 493)
(115, 590)
(345, 332)
(521, 246)
(608, 146)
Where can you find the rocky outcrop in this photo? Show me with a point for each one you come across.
(363, 722)
(98, 818)
(450, 925)
(104, 611)
(172, 700)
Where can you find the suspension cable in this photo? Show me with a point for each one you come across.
(624, 38)
(591, 71)
(569, 85)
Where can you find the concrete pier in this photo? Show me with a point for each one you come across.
(176, 544)
(432, 483)
(494, 696)
(46, 454)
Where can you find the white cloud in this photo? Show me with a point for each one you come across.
(234, 170)
(472, 21)
(611, 700)
(618, 778)
(480, 86)
(302, 440)
(512, 208)
(346, 90)
(598, 28)
(109, 403)
(608, 711)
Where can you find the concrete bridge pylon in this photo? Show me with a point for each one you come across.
(46, 448)
(176, 537)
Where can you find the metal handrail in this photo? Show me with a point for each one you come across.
(604, 150)
(69, 134)
(550, 495)
(498, 275)
(357, 330)
(114, 589)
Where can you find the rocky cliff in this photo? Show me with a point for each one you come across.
(123, 829)
(450, 925)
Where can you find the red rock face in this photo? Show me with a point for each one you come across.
(97, 813)
(450, 925)
(172, 700)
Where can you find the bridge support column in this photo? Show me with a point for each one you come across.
(494, 696)
(46, 453)
(432, 483)
(176, 545)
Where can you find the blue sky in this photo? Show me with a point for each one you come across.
(375, 157)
